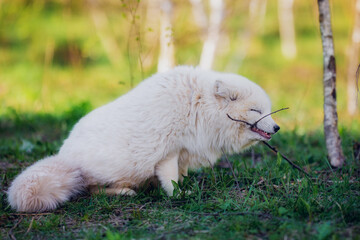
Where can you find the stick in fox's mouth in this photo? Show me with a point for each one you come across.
(256, 122)
(269, 146)
(287, 159)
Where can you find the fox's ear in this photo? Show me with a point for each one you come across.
(221, 90)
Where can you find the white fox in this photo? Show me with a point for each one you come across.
(170, 122)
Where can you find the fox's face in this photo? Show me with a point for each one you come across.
(247, 106)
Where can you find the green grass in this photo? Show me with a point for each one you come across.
(271, 200)
(54, 69)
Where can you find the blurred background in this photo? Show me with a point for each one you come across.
(55, 54)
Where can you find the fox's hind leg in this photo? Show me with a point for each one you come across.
(167, 170)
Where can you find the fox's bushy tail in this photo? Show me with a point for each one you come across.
(45, 185)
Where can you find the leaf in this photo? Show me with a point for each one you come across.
(324, 230)
(278, 160)
(282, 211)
(175, 184)
(307, 207)
(177, 190)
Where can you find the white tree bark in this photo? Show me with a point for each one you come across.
(199, 14)
(209, 48)
(166, 57)
(287, 29)
(353, 61)
(332, 137)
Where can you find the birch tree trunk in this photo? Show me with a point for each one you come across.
(287, 29)
(209, 48)
(199, 14)
(353, 61)
(332, 138)
(166, 57)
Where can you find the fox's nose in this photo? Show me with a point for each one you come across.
(276, 128)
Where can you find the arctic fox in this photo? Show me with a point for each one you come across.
(169, 123)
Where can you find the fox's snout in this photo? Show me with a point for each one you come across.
(276, 128)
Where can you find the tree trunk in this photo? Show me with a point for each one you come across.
(166, 57)
(353, 61)
(209, 48)
(287, 29)
(199, 14)
(332, 138)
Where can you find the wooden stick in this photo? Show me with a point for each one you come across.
(288, 160)
(254, 124)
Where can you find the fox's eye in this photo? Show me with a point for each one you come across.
(255, 110)
(233, 98)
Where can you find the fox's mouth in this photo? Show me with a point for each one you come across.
(262, 133)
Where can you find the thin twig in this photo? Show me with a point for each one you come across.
(11, 235)
(288, 160)
(357, 78)
(31, 214)
(132, 11)
(232, 170)
(254, 124)
(239, 120)
(30, 225)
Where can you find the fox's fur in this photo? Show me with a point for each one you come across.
(170, 122)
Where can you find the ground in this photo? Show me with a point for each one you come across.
(264, 198)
